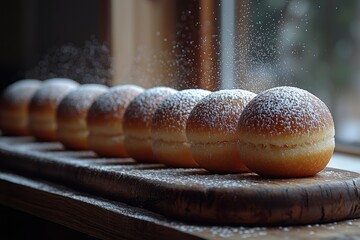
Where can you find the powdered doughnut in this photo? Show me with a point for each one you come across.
(286, 132)
(105, 120)
(71, 114)
(43, 105)
(211, 130)
(170, 144)
(137, 122)
(14, 110)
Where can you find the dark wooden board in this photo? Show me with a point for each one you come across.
(108, 219)
(91, 215)
(192, 195)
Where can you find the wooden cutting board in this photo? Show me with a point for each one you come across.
(193, 195)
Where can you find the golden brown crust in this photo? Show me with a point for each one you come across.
(173, 154)
(305, 163)
(43, 106)
(14, 107)
(71, 115)
(219, 157)
(107, 145)
(111, 105)
(286, 132)
(138, 115)
(14, 123)
(76, 103)
(168, 128)
(139, 149)
(215, 118)
(211, 130)
(73, 140)
(105, 120)
(173, 113)
(137, 122)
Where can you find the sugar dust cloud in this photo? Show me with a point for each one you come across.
(89, 63)
(266, 51)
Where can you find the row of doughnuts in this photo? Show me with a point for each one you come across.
(281, 132)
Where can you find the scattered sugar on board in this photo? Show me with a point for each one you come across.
(156, 173)
(240, 232)
(330, 230)
(179, 176)
(175, 110)
(218, 110)
(190, 177)
(285, 110)
(201, 178)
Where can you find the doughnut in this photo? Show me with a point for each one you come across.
(43, 105)
(169, 142)
(286, 132)
(105, 120)
(14, 107)
(71, 114)
(137, 122)
(211, 130)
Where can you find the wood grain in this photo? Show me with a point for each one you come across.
(94, 216)
(192, 195)
(107, 219)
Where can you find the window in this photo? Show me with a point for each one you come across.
(212, 44)
(253, 45)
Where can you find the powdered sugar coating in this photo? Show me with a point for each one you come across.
(80, 99)
(218, 112)
(175, 110)
(112, 104)
(20, 92)
(52, 91)
(59, 81)
(285, 111)
(141, 110)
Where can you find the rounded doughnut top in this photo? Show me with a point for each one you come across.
(77, 102)
(60, 81)
(169, 121)
(139, 113)
(285, 111)
(112, 104)
(20, 92)
(49, 95)
(215, 117)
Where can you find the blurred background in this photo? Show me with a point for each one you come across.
(212, 44)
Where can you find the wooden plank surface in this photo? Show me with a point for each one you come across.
(192, 195)
(94, 216)
(108, 219)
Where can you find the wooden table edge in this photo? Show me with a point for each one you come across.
(91, 215)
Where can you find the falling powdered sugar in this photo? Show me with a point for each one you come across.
(90, 62)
